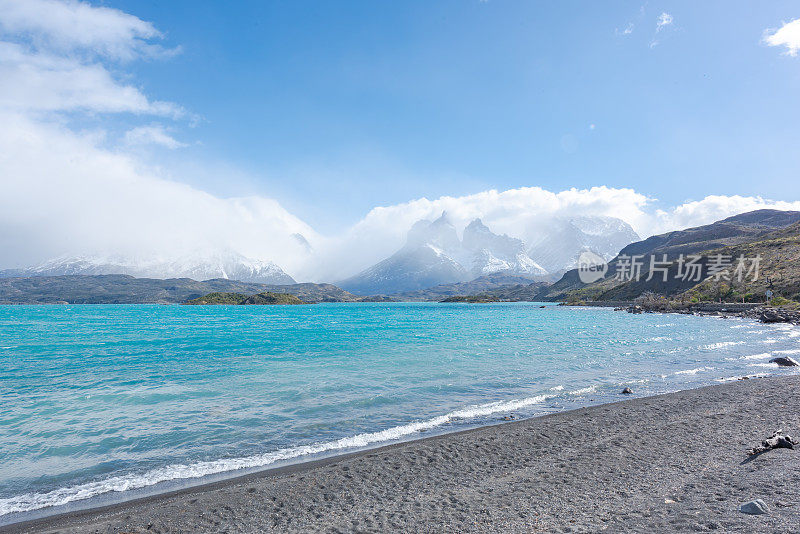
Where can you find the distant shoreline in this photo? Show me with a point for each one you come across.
(758, 311)
(669, 462)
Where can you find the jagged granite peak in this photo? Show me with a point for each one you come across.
(434, 254)
(493, 253)
(440, 233)
(227, 265)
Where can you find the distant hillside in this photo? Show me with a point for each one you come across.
(779, 270)
(482, 285)
(124, 289)
(739, 229)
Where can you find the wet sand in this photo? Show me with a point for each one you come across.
(669, 463)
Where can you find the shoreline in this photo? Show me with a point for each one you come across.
(761, 312)
(373, 489)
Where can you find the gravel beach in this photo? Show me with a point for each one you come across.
(669, 463)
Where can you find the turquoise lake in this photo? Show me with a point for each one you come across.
(104, 402)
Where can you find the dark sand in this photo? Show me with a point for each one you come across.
(669, 463)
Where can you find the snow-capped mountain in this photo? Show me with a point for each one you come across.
(557, 247)
(228, 265)
(492, 253)
(434, 255)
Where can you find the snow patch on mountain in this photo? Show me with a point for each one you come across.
(558, 247)
(228, 265)
(435, 255)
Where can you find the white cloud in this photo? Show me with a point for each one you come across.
(154, 134)
(787, 35)
(40, 81)
(63, 191)
(70, 25)
(709, 209)
(664, 19)
(63, 194)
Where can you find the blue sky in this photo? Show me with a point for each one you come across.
(334, 108)
(160, 129)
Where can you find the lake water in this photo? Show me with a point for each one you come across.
(107, 402)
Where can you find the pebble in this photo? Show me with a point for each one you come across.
(756, 507)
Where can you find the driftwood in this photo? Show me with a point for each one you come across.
(779, 440)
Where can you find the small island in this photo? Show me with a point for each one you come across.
(266, 298)
(472, 299)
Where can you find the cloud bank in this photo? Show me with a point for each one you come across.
(72, 192)
(524, 213)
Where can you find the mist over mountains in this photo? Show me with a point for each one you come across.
(434, 254)
(555, 250)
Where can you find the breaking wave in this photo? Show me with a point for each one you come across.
(34, 501)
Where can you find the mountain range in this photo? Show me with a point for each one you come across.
(229, 265)
(434, 255)
(770, 234)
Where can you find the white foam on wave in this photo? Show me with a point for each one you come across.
(721, 344)
(35, 501)
(637, 381)
(693, 371)
(763, 365)
(584, 391)
(761, 356)
(557, 388)
(788, 351)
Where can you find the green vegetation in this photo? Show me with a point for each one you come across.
(784, 303)
(218, 298)
(268, 298)
(265, 298)
(472, 299)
